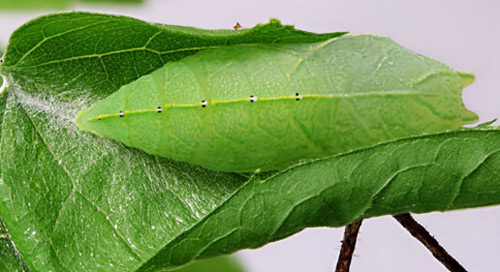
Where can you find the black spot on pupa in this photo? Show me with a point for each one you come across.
(298, 96)
(121, 114)
(159, 109)
(203, 103)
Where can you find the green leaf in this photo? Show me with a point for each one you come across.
(53, 4)
(441, 172)
(34, 4)
(97, 53)
(75, 202)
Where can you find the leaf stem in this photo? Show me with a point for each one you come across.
(348, 244)
(419, 232)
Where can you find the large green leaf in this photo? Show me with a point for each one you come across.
(441, 172)
(72, 201)
(76, 54)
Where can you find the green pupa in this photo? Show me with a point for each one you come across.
(246, 107)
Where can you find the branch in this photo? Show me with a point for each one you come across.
(419, 232)
(348, 244)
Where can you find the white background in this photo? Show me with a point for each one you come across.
(462, 34)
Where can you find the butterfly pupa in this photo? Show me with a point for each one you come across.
(246, 107)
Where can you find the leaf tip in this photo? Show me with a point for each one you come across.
(467, 78)
(274, 21)
(487, 124)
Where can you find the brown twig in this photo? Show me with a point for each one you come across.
(348, 244)
(419, 232)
